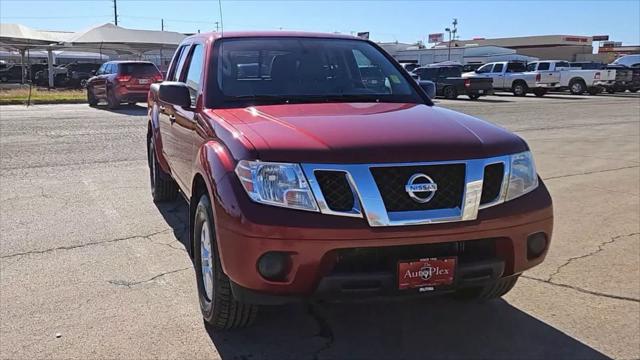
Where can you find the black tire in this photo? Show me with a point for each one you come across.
(4, 79)
(132, 103)
(577, 86)
(221, 311)
(112, 100)
(610, 90)
(633, 90)
(540, 92)
(519, 88)
(163, 187)
(474, 96)
(450, 93)
(91, 98)
(488, 292)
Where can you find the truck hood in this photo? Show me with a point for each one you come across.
(367, 133)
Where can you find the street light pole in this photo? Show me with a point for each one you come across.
(115, 11)
(448, 44)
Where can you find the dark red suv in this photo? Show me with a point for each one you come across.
(316, 168)
(122, 81)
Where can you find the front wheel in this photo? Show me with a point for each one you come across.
(219, 308)
(112, 100)
(450, 93)
(577, 87)
(91, 98)
(519, 89)
(163, 187)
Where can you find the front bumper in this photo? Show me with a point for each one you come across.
(246, 230)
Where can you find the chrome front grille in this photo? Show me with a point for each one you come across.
(377, 193)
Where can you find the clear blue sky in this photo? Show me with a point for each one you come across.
(405, 21)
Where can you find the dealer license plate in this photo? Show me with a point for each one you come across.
(143, 81)
(426, 273)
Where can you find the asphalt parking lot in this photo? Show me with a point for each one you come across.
(90, 267)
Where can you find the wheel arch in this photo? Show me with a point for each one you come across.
(213, 163)
(519, 81)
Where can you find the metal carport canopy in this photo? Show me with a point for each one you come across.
(20, 37)
(120, 40)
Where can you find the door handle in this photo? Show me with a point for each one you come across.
(172, 118)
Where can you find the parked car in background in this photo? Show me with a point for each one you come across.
(623, 78)
(122, 81)
(78, 74)
(513, 76)
(409, 66)
(59, 76)
(632, 62)
(628, 60)
(11, 73)
(577, 81)
(312, 182)
(470, 67)
(450, 84)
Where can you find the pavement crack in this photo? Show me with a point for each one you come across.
(590, 172)
(597, 250)
(324, 330)
(130, 284)
(72, 247)
(171, 246)
(585, 291)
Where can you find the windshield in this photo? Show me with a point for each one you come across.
(297, 70)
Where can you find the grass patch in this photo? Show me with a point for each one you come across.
(42, 96)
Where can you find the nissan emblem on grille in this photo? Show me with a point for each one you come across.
(421, 184)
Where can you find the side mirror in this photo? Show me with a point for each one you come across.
(175, 93)
(429, 87)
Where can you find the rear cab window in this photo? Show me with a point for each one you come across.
(484, 69)
(497, 68)
(139, 69)
(516, 67)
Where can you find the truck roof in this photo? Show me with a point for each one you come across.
(253, 34)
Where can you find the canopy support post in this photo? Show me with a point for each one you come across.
(24, 69)
(50, 67)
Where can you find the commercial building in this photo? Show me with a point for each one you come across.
(557, 47)
(469, 54)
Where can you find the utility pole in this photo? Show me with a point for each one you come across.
(452, 36)
(115, 11)
(161, 58)
(162, 24)
(217, 25)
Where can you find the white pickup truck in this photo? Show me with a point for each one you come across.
(562, 76)
(513, 76)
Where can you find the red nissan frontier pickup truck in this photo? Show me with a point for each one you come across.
(315, 167)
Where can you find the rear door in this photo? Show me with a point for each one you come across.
(185, 119)
(497, 74)
(547, 76)
(166, 112)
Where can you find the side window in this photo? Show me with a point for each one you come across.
(176, 66)
(563, 64)
(101, 69)
(194, 71)
(543, 66)
(484, 69)
(531, 66)
(498, 68)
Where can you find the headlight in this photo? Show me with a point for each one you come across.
(523, 177)
(276, 184)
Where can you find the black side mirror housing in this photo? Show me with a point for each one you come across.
(175, 93)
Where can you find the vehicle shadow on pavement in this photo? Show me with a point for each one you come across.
(433, 328)
(135, 110)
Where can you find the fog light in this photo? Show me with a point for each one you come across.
(536, 245)
(274, 265)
